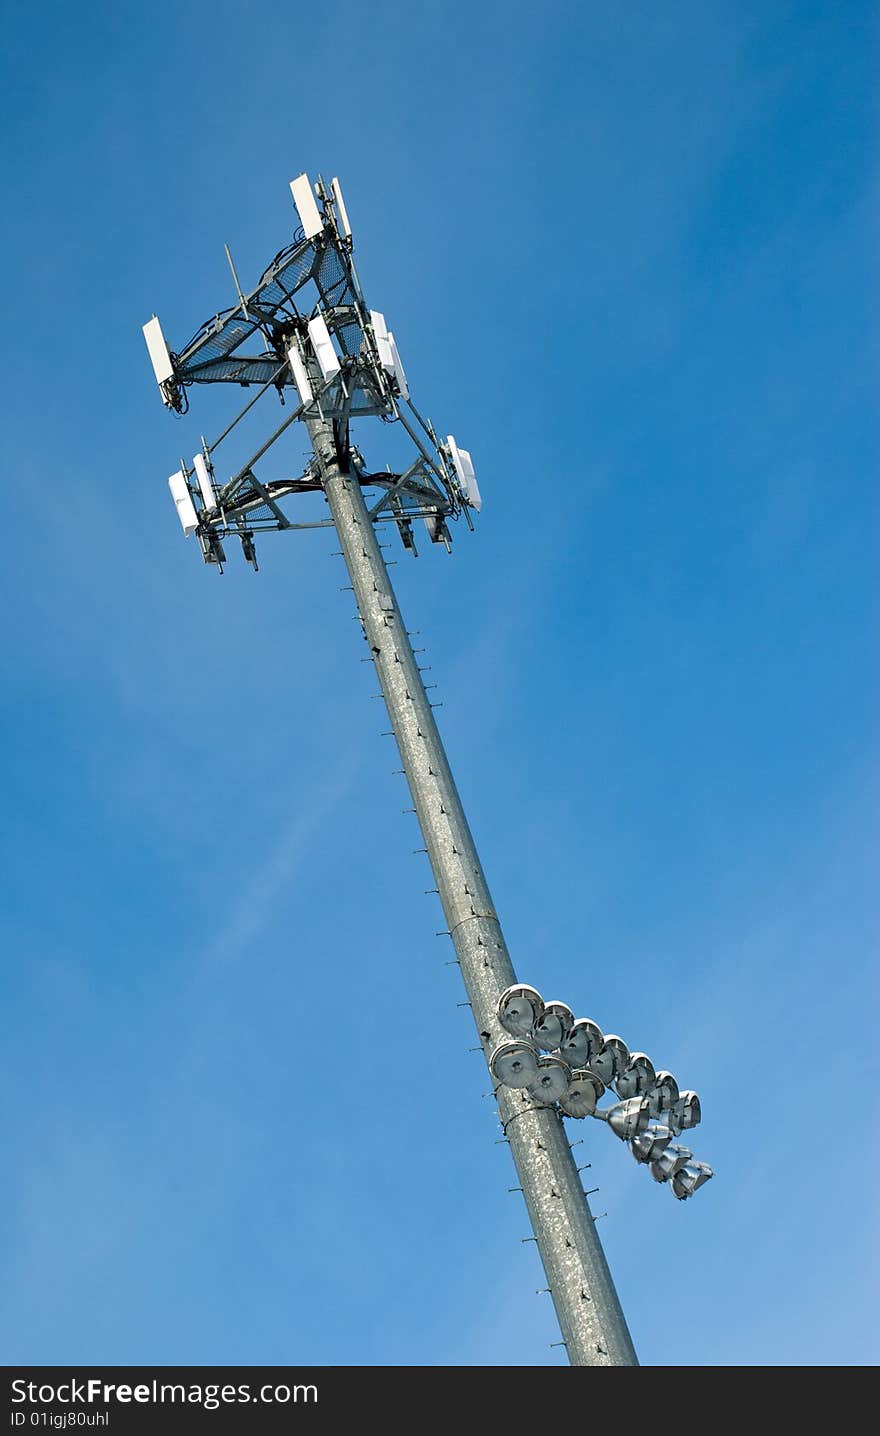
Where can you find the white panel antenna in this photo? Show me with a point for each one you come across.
(206, 488)
(341, 211)
(309, 214)
(300, 377)
(399, 372)
(464, 468)
(323, 346)
(380, 331)
(158, 351)
(183, 503)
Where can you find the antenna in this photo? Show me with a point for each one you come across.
(158, 351)
(309, 215)
(340, 207)
(323, 347)
(206, 488)
(182, 497)
(341, 360)
(397, 366)
(241, 298)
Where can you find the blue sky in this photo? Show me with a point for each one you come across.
(625, 253)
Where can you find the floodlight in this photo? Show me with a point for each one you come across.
(610, 1059)
(383, 345)
(399, 372)
(514, 1063)
(300, 375)
(323, 346)
(584, 1091)
(309, 215)
(627, 1119)
(340, 207)
(552, 1081)
(669, 1161)
(663, 1095)
(649, 1144)
(203, 475)
(637, 1076)
(519, 1008)
(685, 1113)
(158, 351)
(582, 1041)
(182, 497)
(689, 1178)
(554, 1025)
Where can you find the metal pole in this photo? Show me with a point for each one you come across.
(590, 1317)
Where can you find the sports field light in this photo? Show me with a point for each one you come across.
(551, 1081)
(689, 1178)
(519, 1008)
(637, 1076)
(583, 1040)
(610, 1060)
(663, 1094)
(584, 1091)
(514, 1063)
(685, 1113)
(627, 1119)
(648, 1145)
(553, 1026)
(670, 1161)
(582, 1063)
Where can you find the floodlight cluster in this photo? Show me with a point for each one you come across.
(568, 1062)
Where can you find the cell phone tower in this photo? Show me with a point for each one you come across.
(319, 343)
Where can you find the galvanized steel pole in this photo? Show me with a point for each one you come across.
(590, 1317)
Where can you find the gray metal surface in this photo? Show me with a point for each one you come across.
(590, 1317)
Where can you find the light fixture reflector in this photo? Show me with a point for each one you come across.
(685, 1113)
(514, 1063)
(670, 1161)
(637, 1076)
(554, 1025)
(552, 1080)
(649, 1144)
(584, 1091)
(627, 1119)
(519, 1008)
(582, 1041)
(663, 1095)
(689, 1178)
(610, 1060)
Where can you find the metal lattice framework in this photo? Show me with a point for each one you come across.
(323, 347)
